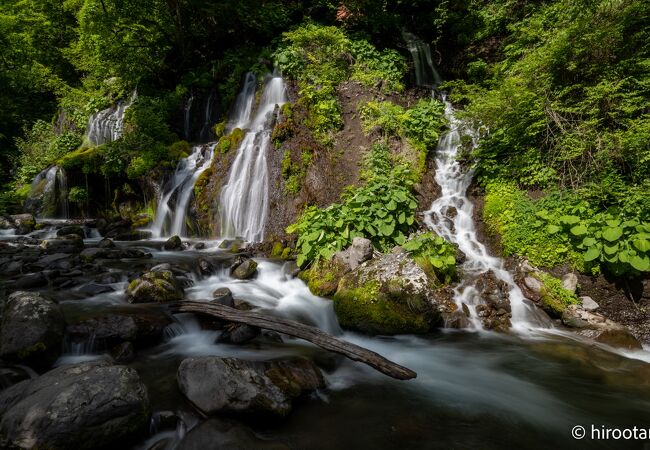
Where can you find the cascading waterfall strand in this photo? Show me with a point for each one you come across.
(175, 197)
(451, 215)
(244, 197)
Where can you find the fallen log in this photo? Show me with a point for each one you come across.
(299, 330)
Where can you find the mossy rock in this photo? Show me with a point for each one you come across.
(366, 308)
(160, 286)
(553, 297)
(324, 276)
(389, 295)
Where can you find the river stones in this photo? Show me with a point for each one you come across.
(71, 230)
(106, 331)
(83, 406)
(159, 286)
(390, 294)
(32, 329)
(243, 270)
(173, 243)
(599, 328)
(67, 244)
(216, 385)
(23, 223)
(223, 296)
(495, 312)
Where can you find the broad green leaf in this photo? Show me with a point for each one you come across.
(579, 230)
(570, 220)
(612, 234)
(391, 206)
(552, 229)
(642, 245)
(640, 264)
(591, 254)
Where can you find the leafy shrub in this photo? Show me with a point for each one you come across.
(434, 254)
(320, 58)
(563, 227)
(78, 195)
(382, 210)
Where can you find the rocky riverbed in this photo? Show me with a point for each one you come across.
(92, 357)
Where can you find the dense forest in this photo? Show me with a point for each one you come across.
(353, 168)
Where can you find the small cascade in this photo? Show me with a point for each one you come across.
(425, 71)
(187, 123)
(243, 108)
(107, 125)
(244, 197)
(177, 193)
(451, 215)
(48, 195)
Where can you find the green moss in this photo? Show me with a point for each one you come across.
(367, 309)
(277, 250)
(324, 276)
(554, 297)
(86, 159)
(232, 141)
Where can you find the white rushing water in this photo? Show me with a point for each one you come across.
(451, 216)
(207, 118)
(107, 125)
(51, 185)
(244, 197)
(243, 107)
(177, 193)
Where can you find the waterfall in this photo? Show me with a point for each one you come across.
(243, 108)
(451, 215)
(425, 71)
(177, 193)
(244, 197)
(207, 118)
(48, 194)
(107, 125)
(187, 109)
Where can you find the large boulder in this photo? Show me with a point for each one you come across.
(24, 223)
(216, 385)
(83, 406)
(106, 331)
(159, 286)
(390, 294)
(599, 328)
(32, 329)
(71, 230)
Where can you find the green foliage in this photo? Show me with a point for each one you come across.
(561, 227)
(320, 58)
(434, 254)
(294, 172)
(41, 147)
(554, 297)
(382, 210)
(78, 195)
(232, 141)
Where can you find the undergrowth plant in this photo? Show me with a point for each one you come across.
(382, 210)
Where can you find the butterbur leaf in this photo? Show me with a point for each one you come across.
(552, 229)
(570, 220)
(579, 230)
(642, 264)
(391, 206)
(591, 254)
(612, 234)
(642, 245)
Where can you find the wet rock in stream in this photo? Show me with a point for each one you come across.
(158, 286)
(83, 406)
(225, 435)
(215, 384)
(32, 329)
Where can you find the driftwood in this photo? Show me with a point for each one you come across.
(299, 330)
